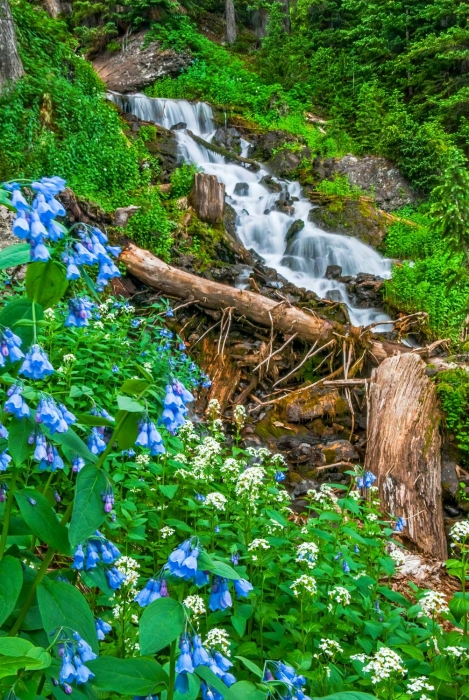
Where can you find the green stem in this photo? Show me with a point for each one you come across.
(39, 576)
(6, 517)
(114, 435)
(172, 670)
(33, 310)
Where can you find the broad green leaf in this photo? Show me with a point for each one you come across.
(125, 403)
(349, 504)
(348, 695)
(19, 431)
(96, 578)
(11, 581)
(129, 430)
(135, 387)
(394, 596)
(251, 666)
(388, 566)
(459, 605)
(14, 255)
(161, 623)
(168, 490)
(16, 311)
(46, 283)
(127, 676)
(412, 650)
(239, 623)
(210, 678)
(86, 419)
(219, 568)
(62, 605)
(16, 653)
(244, 690)
(88, 512)
(194, 688)
(5, 200)
(73, 444)
(42, 520)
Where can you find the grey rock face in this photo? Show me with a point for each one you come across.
(228, 137)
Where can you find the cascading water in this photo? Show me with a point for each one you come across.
(259, 225)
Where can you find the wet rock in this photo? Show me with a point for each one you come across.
(372, 174)
(365, 291)
(333, 272)
(357, 218)
(451, 512)
(265, 145)
(285, 204)
(303, 487)
(137, 66)
(340, 451)
(333, 295)
(290, 442)
(294, 229)
(449, 479)
(309, 456)
(286, 162)
(242, 189)
(228, 137)
(229, 221)
(179, 126)
(320, 401)
(270, 184)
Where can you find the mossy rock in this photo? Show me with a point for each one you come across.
(356, 218)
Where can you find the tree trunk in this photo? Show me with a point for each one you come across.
(286, 20)
(260, 21)
(53, 7)
(403, 449)
(254, 307)
(11, 67)
(231, 33)
(208, 198)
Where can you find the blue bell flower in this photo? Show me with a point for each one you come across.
(200, 655)
(39, 252)
(79, 312)
(21, 226)
(15, 404)
(68, 672)
(18, 201)
(242, 587)
(102, 628)
(95, 443)
(84, 650)
(115, 578)
(73, 273)
(3, 432)
(5, 460)
(83, 672)
(184, 663)
(36, 364)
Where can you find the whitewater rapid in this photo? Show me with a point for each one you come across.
(258, 224)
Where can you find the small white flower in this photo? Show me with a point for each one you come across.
(396, 554)
(196, 604)
(372, 517)
(49, 314)
(239, 415)
(258, 544)
(249, 483)
(460, 531)
(99, 325)
(166, 532)
(330, 647)
(432, 603)
(304, 583)
(142, 460)
(129, 567)
(69, 358)
(416, 685)
(457, 652)
(148, 366)
(384, 664)
(214, 407)
(307, 552)
(340, 595)
(359, 657)
(231, 468)
(218, 638)
(216, 500)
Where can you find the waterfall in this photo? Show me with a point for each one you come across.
(259, 225)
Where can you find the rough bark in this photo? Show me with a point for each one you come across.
(403, 449)
(286, 19)
(254, 307)
(229, 155)
(11, 67)
(260, 21)
(53, 7)
(208, 198)
(230, 15)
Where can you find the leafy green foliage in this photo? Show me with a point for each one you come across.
(453, 390)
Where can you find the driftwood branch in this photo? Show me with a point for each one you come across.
(249, 305)
(224, 152)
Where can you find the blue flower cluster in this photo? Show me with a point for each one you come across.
(36, 364)
(365, 481)
(102, 628)
(79, 312)
(5, 460)
(35, 222)
(194, 654)
(15, 404)
(154, 589)
(400, 524)
(108, 499)
(277, 670)
(148, 436)
(92, 249)
(77, 464)
(74, 656)
(99, 550)
(45, 453)
(57, 418)
(96, 443)
(10, 347)
(175, 406)
(182, 563)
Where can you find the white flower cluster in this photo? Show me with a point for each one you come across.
(372, 517)
(218, 426)
(460, 531)
(216, 500)
(231, 468)
(384, 664)
(213, 407)
(187, 432)
(278, 461)
(339, 594)
(49, 314)
(249, 484)
(325, 497)
(304, 583)
(307, 552)
(196, 604)
(166, 532)
(129, 567)
(458, 653)
(239, 415)
(258, 544)
(218, 638)
(416, 685)
(396, 554)
(330, 647)
(142, 460)
(432, 603)
(204, 454)
(273, 526)
(70, 357)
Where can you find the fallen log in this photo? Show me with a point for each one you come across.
(253, 166)
(403, 449)
(254, 307)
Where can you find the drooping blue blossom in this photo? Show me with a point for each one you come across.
(5, 460)
(79, 312)
(169, 313)
(366, 481)
(10, 345)
(220, 597)
(3, 432)
(154, 589)
(115, 578)
(200, 656)
(200, 497)
(400, 524)
(280, 476)
(242, 587)
(96, 550)
(78, 558)
(175, 406)
(36, 364)
(149, 436)
(83, 673)
(209, 693)
(135, 323)
(345, 567)
(108, 499)
(182, 562)
(21, 227)
(3, 492)
(39, 252)
(235, 559)
(95, 442)
(15, 404)
(57, 418)
(18, 201)
(73, 273)
(356, 549)
(184, 663)
(77, 464)
(102, 628)
(277, 670)
(74, 655)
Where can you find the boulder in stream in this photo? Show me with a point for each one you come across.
(270, 184)
(241, 189)
(352, 217)
(294, 229)
(228, 137)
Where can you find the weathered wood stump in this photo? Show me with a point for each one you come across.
(403, 449)
(208, 198)
(11, 67)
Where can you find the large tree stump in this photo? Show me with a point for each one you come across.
(208, 198)
(11, 67)
(230, 15)
(403, 449)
